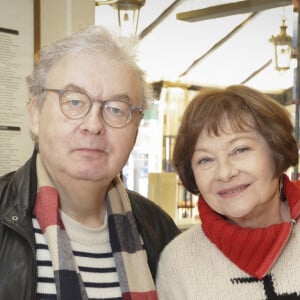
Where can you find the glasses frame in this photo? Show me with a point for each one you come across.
(133, 108)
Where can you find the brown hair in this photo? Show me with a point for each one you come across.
(206, 112)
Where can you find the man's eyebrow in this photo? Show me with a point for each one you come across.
(74, 87)
(123, 97)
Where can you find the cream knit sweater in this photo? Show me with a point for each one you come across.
(192, 268)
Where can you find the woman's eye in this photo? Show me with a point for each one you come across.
(241, 150)
(204, 161)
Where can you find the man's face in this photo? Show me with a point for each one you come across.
(85, 149)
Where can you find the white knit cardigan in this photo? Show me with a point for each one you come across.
(192, 268)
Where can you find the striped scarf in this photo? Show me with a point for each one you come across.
(130, 257)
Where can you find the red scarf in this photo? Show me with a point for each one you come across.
(252, 250)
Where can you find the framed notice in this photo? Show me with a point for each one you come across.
(16, 62)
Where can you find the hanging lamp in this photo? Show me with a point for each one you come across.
(282, 48)
(128, 12)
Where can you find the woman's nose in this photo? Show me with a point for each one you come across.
(226, 169)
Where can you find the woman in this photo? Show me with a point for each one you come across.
(232, 149)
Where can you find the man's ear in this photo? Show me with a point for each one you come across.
(34, 116)
(136, 135)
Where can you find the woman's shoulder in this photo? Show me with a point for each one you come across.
(188, 241)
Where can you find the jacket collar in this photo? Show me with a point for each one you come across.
(18, 193)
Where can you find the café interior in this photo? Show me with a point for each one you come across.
(185, 45)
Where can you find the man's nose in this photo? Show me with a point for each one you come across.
(93, 121)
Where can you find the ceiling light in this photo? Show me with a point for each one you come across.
(128, 13)
(282, 47)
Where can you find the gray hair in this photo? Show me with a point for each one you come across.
(94, 39)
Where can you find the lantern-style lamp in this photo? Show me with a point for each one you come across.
(128, 14)
(283, 48)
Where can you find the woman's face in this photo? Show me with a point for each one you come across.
(234, 173)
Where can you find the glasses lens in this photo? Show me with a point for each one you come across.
(116, 113)
(74, 105)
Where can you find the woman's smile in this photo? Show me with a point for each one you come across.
(233, 192)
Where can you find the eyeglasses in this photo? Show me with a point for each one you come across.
(76, 105)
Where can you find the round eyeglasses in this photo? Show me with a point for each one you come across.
(76, 105)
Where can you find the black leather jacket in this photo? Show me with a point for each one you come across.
(18, 271)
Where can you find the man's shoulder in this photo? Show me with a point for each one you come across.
(138, 199)
(5, 180)
(144, 206)
(151, 216)
(17, 184)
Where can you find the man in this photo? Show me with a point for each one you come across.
(68, 228)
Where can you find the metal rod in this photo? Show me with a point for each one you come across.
(296, 88)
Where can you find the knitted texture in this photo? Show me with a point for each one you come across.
(191, 267)
(195, 267)
(263, 244)
(93, 255)
(130, 257)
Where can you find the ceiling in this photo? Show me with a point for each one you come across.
(227, 47)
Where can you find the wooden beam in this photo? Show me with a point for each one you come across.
(230, 9)
(256, 72)
(37, 28)
(160, 18)
(218, 44)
